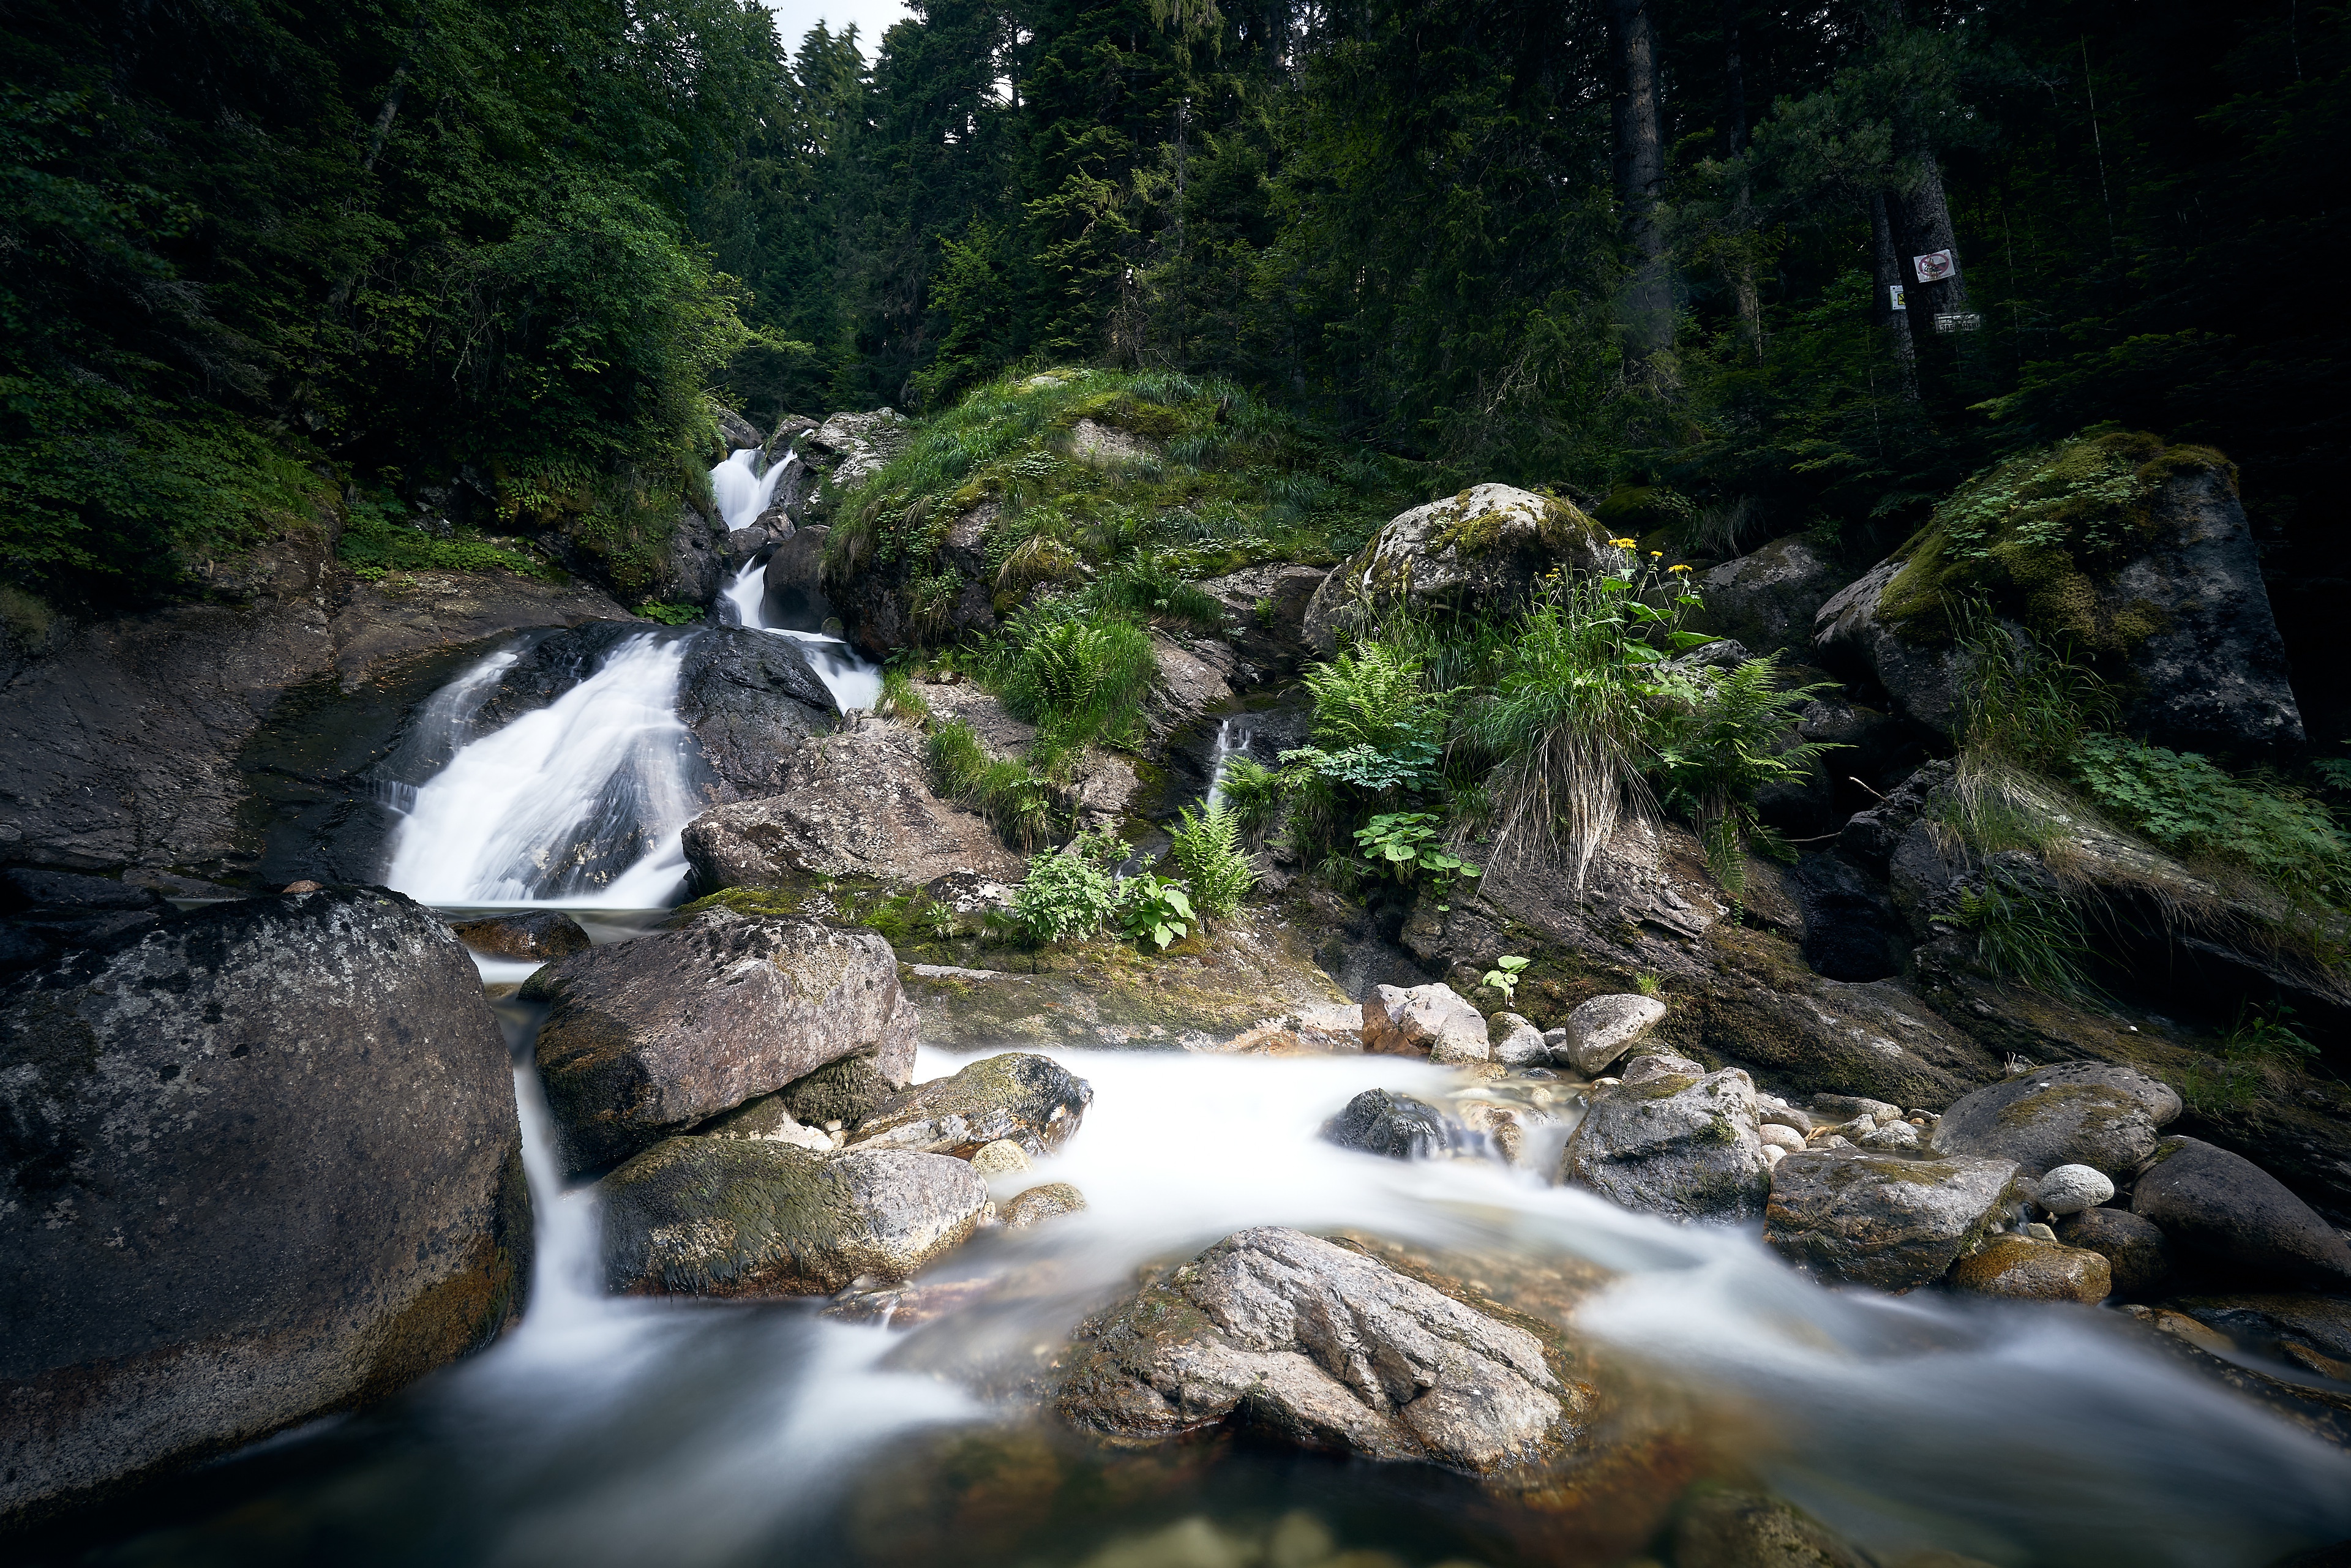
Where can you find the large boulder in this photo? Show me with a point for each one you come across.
(1605, 1028)
(1481, 550)
(2078, 1113)
(257, 1163)
(1031, 1100)
(1320, 1346)
(693, 560)
(793, 582)
(45, 913)
(647, 1038)
(1674, 1144)
(849, 448)
(854, 804)
(1854, 1218)
(742, 1216)
(2222, 1209)
(1767, 599)
(1425, 1020)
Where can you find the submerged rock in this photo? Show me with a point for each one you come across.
(1605, 1028)
(260, 1163)
(1425, 1020)
(2079, 1112)
(2222, 1208)
(1676, 1144)
(540, 934)
(1720, 1527)
(1039, 1204)
(1881, 1220)
(1320, 1346)
(1397, 1126)
(1033, 1101)
(732, 1217)
(2027, 1269)
(2137, 1257)
(645, 1039)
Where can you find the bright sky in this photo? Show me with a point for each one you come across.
(873, 17)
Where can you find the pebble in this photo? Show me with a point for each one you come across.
(1778, 1137)
(2070, 1189)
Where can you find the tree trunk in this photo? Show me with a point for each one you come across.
(1640, 160)
(1890, 271)
(1927, 227)
(1734, 76)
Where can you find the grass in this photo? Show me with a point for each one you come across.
(1023, 808)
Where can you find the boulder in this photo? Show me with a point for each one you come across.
(1676, 1144)
(261, 1163)
(2090, 1113)
(1002, 1158)
(1481, 550)
(1425, 1020)
(1519, 1043)
(1767, 599)
(45, 913)
(794, 583)
(1869, 837)
(2028, 1268)
(843, 1091)
(2070, 1189)
(737, 1216)
(1397, 1126)
(2221, 1208)
(645, 1039)
(539, 935)
(1265, 610)
(1859, 1218)
(1605, 1028)
(735, 432)
(1320, 1346)
(1720, 1527)
(2137, 1257)
(849, 447)
(768, 1120)
(1032, 1100)
(853, 804)
(1039, 1204)
(692, 561)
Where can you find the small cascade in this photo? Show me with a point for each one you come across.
(855, 682)
(443, 724)
(1232, 739)
(741, 602)
(743, 492)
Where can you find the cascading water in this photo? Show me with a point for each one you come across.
(742, 491)
(853, 681)
(1232, 740)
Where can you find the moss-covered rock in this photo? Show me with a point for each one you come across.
(1031, 1100)
(1673, 1145)
(1881, 1220)
(2028, 1268)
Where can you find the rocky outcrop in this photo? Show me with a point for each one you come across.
(2077, 1113)
(647, 1038)
(1673, 1144)
(1266, 613)
(2222, 1211)
(541, 935)
(857, 803)
(44, 914)
(1479, 551)
(1767, 598)
(1394, 1126)
(1031, 1100)
(849, 448)
(750, 699)
(260, 1162)
(1860, 1218)
(1605, 1028)
(1311, 1343)
(1425, 1020)
(693, 560)
(735, 1216)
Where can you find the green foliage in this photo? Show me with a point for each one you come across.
(2190, 806)
(1070, 892)
(377, 539)
(2264, 1051)
(2034, 938)
(1152, 909)
(1076, 677)
(2030, 703)
(1020, 806)
(1504, 976)
(1411, 845)
(1252, 796)
(1730, 736)
(1208, 850)
(672, 614)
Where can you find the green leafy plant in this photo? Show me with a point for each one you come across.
(1732, 738)
(1411, 844)
(1207, 849)
(672, 614)
(1021, 806)
(1068, 893)
(2189, 805)
(1076, 677)
(1152, 909)
(1253, 794)
(2035, 938)
(1504, 976)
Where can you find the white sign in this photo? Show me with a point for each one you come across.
(1894, 300)
(1957, 321)
(1935, 266)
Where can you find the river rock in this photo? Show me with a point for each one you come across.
(1605, 1028)
(1002, 1158)
(2136, 1255)
(1779, 1136)
(1039, 1204)
(261, 1163)
(645, 1039)
(1031, 1100)
(843, 1092)
(1322, 1347)
(2221, 1208)
(771, 1120)
(1891, 1137)
(1679, 1144)
(1519, 1043)
(1397, 1126)
(730, 1216)
(1859, 1218)
(792, 584)
(2070, 1189)
(2028, 1268)
(538, 935)
(1720, 1527)
(2079, 1112)
(1425, 1020)
(1652, 1065)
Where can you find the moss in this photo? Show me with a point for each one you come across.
(752, 900)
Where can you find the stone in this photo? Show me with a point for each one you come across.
(692, 565)
(1893, 1137)
(1031, 1100)
(843, 1091)
(1395, 1127)
(261, 1163)
(1779, 1136)
(2136, 1255)
(1687, 1146)
(792, 593)
(2070, 1189)
(645, 1039)
(1767, 598)
(735, 1216)
(1850, 930)
(1520, 1043)
(1859, 1218)
(2323, 1322)
(1266, 609)
(2028, 1268)
(1717, 1527)
(2090, 1113)
(850, 447)
(1868, 838)
(1002, 1158)
(735, 432)
(1480, 549)
(1039, 1204)
(1314, 1344)
(769, 1119)
(1785, 1116)
(540, 934)
(2221, 1208)
(1425, 1020)
(1605, 1028)
(857, 803)
(1856, 1105)
(1652, 1065)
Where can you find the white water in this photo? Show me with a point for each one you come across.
(1231, 738)
(741, 491)
(515, 815)
(855, 682)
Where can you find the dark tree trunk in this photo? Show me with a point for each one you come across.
(1890, 270)
(1927, 227)
(1640, 160)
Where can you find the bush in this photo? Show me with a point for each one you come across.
(1252, 793)
(1076, 677)
(1152, 910)
(1732, 740)
(1142, 586)
(1017, 805)
(1068, 893)
(1207, 849)
(2034, 939)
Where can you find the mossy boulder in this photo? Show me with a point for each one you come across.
(1686, 1146)
(2028, 1268)
(1851, 1217)
(1031, 1100)
(2077, 1113)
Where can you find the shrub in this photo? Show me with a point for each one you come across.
(1142, 586)
(1373, 695)
(1252, 793)
(1017, 805)
(1410, 844)
(1074, 676)
(1208, 850)
(1731, 742)
(1066, 895)
(1152, 909)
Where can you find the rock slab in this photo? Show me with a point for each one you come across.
(1605, 1028)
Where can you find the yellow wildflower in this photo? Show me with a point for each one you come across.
(1677, 568)
(1657, 555)
(1622, 544)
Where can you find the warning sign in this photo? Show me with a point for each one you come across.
(1894, 300)
(1935, 266)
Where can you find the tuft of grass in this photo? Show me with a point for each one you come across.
(1021, 806)
(2034, 938)
(1077, 676)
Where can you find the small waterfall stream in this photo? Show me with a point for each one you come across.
(1232, 739)
(742, 491)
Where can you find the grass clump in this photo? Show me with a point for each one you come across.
(1018, 805)
(1077, 677)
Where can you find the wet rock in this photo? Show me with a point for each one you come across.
(1720, 1527)
(1482, 547)
(1850, 929)
(735, 432)
(1425, 1020)
(2221, 1208)
(2070, 1189)
(2136, 1255)
(261, 1163)
(693, 563)
(1520, 1043)
(769, 1120)
(45, 913)
(1652, 1065)
(1320, 1346)
(843, 1091)
(1881, 1220)
(647, 1038)
(751, 700)
(1002, 1158)
(1893, 1137)
(849, 447)
(735, 1216)
(1677, 1144)
(1031, 1100)
(793, 582)
(1397, 1126)
(2322, 1321)
(1605, 1028)
(2028, 1268)
(1767, 598)
(1265, 610)
(541, 935)
(1039, 1204)
(2090, 1113)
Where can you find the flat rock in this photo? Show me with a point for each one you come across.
(2136, 1255)
(1605, 1028)
(2090, 1113)
(1881, 1220)
(735, 1216)
(1320, 1346)
(1033, 1101)
(647, 1038)
(1395, 1127)
(2026, 1269)
(1679, 1144)
(540, 935)
(1425, 1020)
(2222, 1208)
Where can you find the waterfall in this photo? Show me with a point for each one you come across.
(741, 492)
(1232, 740)
(855, 682)
(580, 803)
